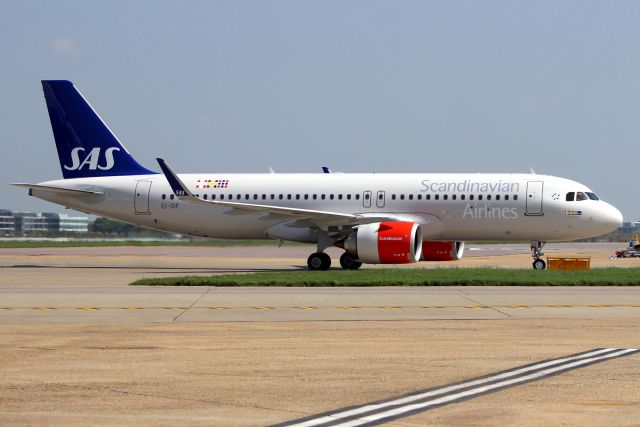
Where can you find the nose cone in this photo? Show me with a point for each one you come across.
(610, 218)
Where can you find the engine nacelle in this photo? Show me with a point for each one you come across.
(442, 251)
(386, 243)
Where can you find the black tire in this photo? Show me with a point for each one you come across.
(319, 261)
(349, 262)
(539, 264)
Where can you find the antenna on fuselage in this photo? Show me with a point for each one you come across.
(531, 171)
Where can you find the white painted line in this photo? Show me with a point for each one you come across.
(479, 390)
(403, 400)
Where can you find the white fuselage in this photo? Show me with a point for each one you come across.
(497, 207)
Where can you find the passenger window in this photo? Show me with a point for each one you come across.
(339, 196)
(288, 196)
(462, 197)
(470, 196)
(330, 196)
(213, 197)
(437, 197)
(358, 196)
(246, 197)
(322, 196)
(280, 196)
(506, 197)
(445, 197)
(581, 196)
(402, 197)
(488, 196)
(221, 197)
(264, 197)
(497, 197)
(515, 197)
(454, 197)
(273, 196)
(419, 196)
(393, 197)
(255, 197)
(171, 196)
(315, 197)
(306, 197)
(428, 196)
(164, 196)
(204, 196)
(570, 196)
(297, 197)
(410, 196)
(348, 196)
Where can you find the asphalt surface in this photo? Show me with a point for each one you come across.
(81, 347)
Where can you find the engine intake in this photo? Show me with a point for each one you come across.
(386, 243)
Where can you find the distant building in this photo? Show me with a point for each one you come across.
(78, 224)
(27, 222)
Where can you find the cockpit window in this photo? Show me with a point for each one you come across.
(581, 196)
(570, 196)
(592, 196)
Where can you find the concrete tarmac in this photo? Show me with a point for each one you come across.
(81, 347)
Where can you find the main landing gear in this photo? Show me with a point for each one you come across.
(349, 262)
(322, 261)
(319, 261)
(536, 249)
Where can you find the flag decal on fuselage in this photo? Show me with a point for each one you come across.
(212, 183)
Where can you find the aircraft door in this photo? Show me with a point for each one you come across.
(380, 199)
(534, 198)
(366, 199)
(141, 197)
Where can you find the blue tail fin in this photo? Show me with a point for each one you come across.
(86, 146)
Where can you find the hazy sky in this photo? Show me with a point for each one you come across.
(395, 86)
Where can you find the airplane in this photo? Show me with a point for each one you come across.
(377, 218)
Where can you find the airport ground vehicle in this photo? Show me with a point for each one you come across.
(631, 251)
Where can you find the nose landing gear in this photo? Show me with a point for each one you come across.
(536, 249)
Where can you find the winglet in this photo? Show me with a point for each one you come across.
(176, 184)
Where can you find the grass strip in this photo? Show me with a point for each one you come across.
(412, 277)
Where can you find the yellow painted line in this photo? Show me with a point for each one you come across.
(263, 308)
(304, 307)
(432, 306)
(87, 308)
(518, 306)
(560, 306)
(347, 307)
(132, 308)
(175, 308)
(219, 308)
(43, 308)
(4, 308)
(599, 305)
(475, 306)
(391, 307)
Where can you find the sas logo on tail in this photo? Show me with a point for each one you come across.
(92, 159)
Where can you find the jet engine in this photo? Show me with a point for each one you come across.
(441, 251)
(386, 243)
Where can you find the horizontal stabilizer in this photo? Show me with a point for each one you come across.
(60, 190)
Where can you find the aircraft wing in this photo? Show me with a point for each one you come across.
(315, 216)
(59, 190)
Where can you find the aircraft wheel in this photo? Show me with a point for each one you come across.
(319, 261)
(348, 262)
(539, 264)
